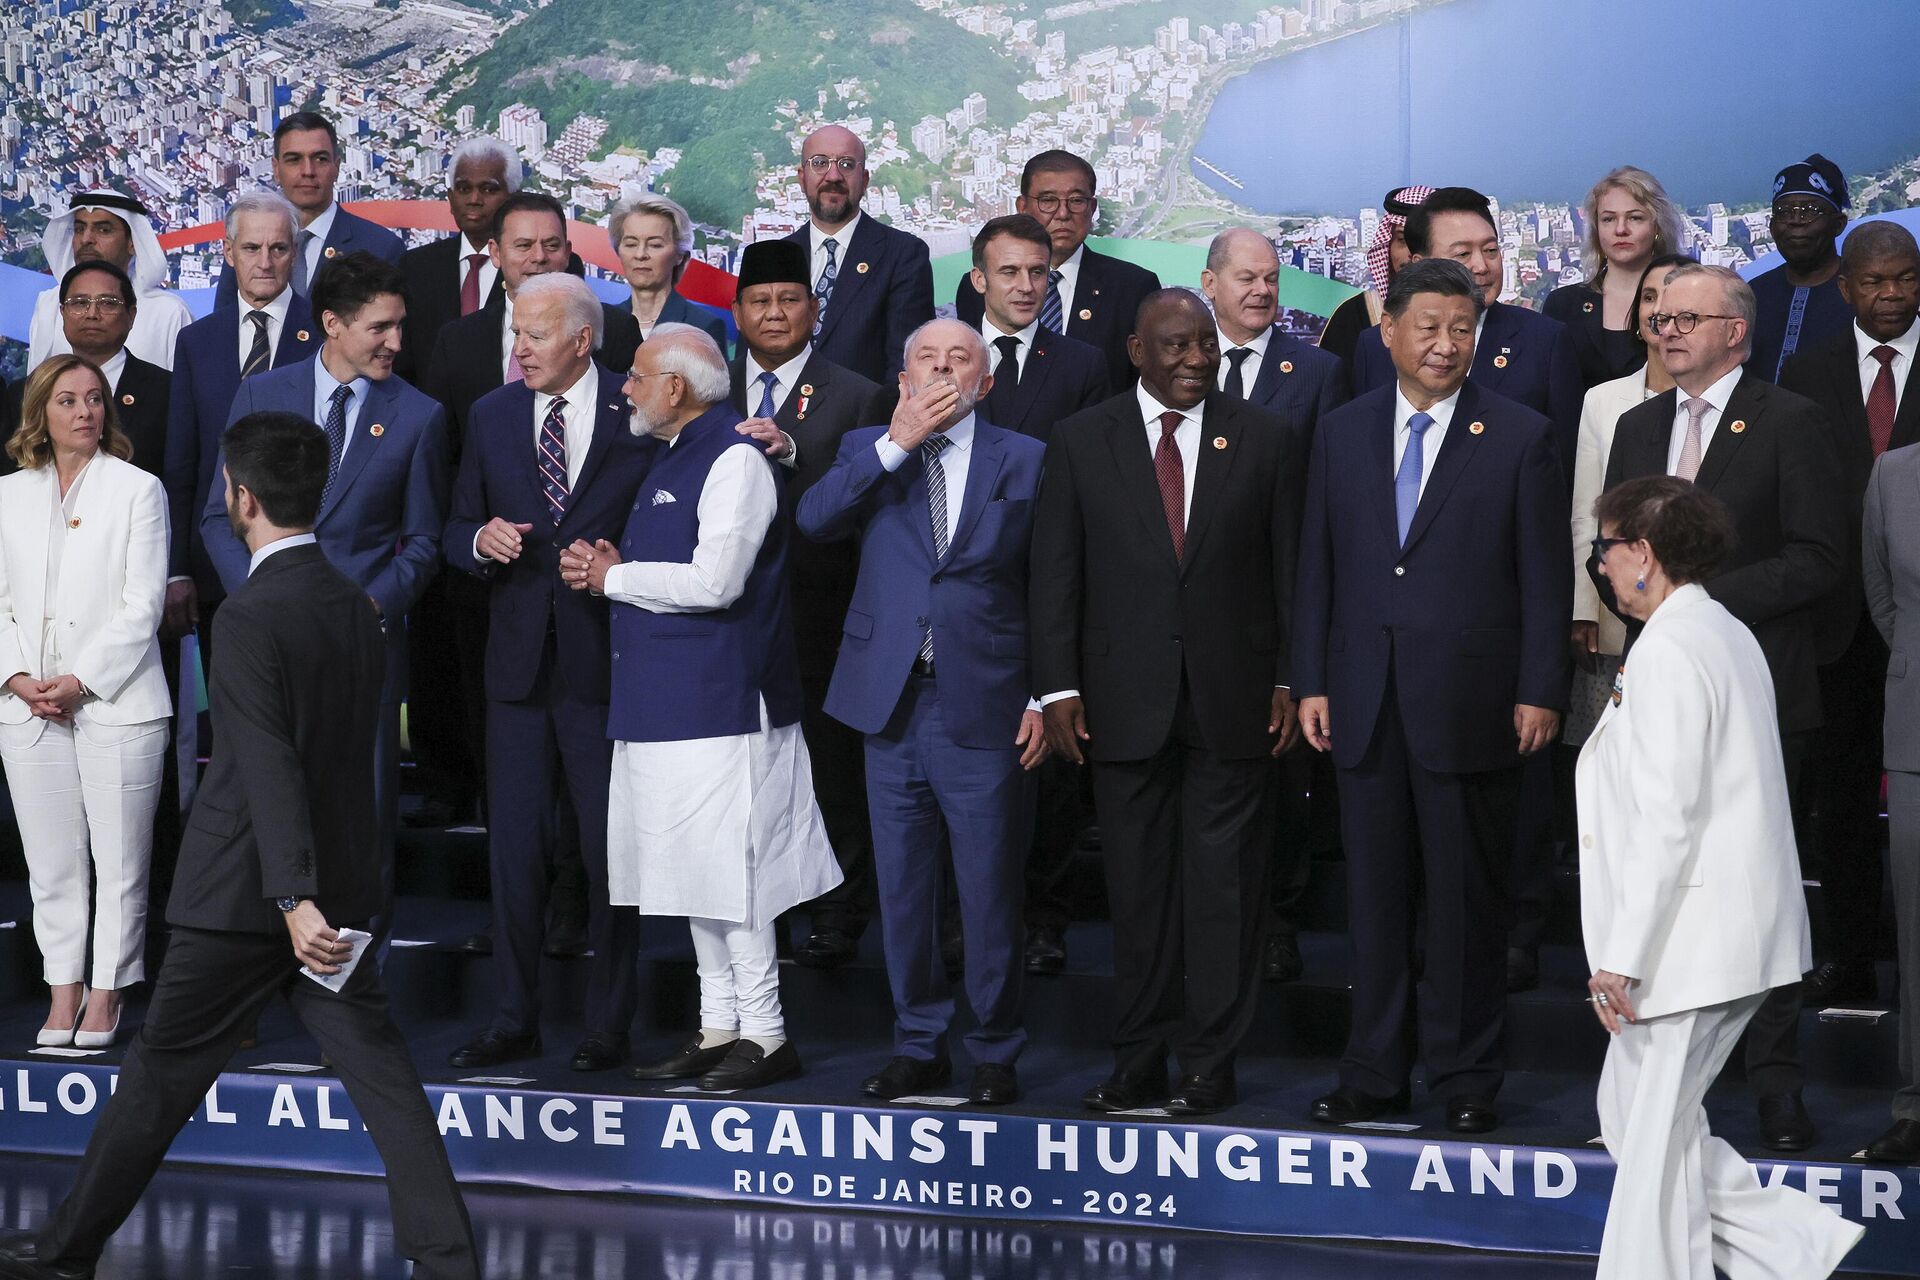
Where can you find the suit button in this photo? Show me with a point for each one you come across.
(936, 579)
(919, 622)
(1586, 842)
(1399, 571)
(616, 655)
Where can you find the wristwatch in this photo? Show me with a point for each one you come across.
(288, 904)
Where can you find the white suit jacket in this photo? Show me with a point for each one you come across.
(1598, 414)
(1689, 880)
(113, 584)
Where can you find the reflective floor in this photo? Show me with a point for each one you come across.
(196, 1225)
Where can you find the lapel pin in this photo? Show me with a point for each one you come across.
(1587, 307)
(1739, 425)
(861, 268)
(806, 388)
(74, 523)
(376, 431)
(302, 335)
(1086, 313)
(331, 251)
(1499, 362)
(1219, 442)
(127, 399)
(1476, 427)
(1286, 366)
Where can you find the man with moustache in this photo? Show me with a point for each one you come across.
(1163, 560)
(872, 285)
(454, 276)
(802, 404)
(105, 226)
(1430, 658)
(1798, 304)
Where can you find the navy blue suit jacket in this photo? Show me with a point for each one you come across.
(680, 310)
(976, 596)
(1105, 301)
(206, 373)
(1522, 356)
(500, 477)
(350, 233)
(1466, 620)
(1062, 377)
(1301, 383)
(882, 292)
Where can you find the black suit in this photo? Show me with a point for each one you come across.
(1176, 661)
(1772, 460)
(1843, 783)
(432, 275)
(1106, 298)
(140, 399)
(822, 576)
(286, 809)
(1062, 376)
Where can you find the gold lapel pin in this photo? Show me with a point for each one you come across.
(1286, 366)
(376, 431)
(1499, 362)
(74, 523)
(1476, 427)
(861, 268)
(331, 251)
(1739, 425)
(1219, 442)
(127, 399)
(302, 335)
(806, 388)
(1587, 307)
(1086, 313)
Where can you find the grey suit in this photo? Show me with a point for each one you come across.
(1890, 557)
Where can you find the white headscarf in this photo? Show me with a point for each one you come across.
(149, 267)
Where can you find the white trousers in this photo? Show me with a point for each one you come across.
(1685, 1202)
(85, 795)
(739, 978)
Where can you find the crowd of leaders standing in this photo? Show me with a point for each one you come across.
(840, 622)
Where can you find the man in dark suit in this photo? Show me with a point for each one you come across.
(550, 460)
(386, 497)
(454, 275)
(97, 309)
(1770, 456)
(1301, 383)
(934, 672)
(801, 404)
(1860, 378)
(1091, 297)
(1427, 692)
(1163, 556)
(873, 284)
(281, 848)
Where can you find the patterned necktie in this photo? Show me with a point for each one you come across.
(553, 457)
(768, 381)
(1050, 313)
(1236, 376)
(300, 243)
(936, 514)
(1406, 481)
(259, 354)
(1690, 447)
(336, 429)
(1172, 475)
(470, 286)
(823, 287)
(1880, 401)
(1006, 373)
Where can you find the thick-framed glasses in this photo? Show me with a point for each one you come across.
(1051, 203)
(845, 164)
(105, 304)
(1600, 546)
(1796, 211)
(1683, 322)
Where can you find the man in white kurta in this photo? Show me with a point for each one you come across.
(109, 227)
(711, 813)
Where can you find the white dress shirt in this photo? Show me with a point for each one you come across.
(320, 226)
(1186, 438)
(275, 548)
(785, 379)
(993, 333)
(1442, 415)
(1903, 350)
(1716, 397)
(737, 506)
(1250, 367)
(276, 312)
(323, 387)
(954, 461)
(488, 272)
(843, 241)
(115, 366)
(1069, 282)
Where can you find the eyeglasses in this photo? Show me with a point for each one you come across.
(1051, 203)
(1600, 546)
(106, 305)
(1683, 322)
(1801, 211)
(820, 164)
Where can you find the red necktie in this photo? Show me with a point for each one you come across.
(1173, 482)
(1880, 401)
(470, 287)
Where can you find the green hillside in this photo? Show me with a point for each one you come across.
(629, 61)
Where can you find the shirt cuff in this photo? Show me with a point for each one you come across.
(791, 458)
(1033, 704)
(891, 454)
(180, 577)
(476, 546)
(1048, 699)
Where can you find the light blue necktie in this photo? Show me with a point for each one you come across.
(767, 380)
(1406, 481)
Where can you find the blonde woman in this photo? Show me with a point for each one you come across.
(653, 238)
(1630, 222)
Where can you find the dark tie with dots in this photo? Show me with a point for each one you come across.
(336, 429)
(1167, 469)
(259, 355)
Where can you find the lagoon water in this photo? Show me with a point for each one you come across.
(1534, 99)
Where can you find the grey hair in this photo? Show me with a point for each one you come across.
(262, 202)
(691, 353)
(978, 342)
(1737, 293)
(1875, 242)
(1443, 276)
(659, 207)
(582, 304)
(1222, 244)
(489, 149)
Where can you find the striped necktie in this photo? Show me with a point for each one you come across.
(259, 355)
(553, 458)
(936, 513)
(1050, 311)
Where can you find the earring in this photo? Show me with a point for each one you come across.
(1641, 585)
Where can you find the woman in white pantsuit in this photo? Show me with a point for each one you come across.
(83, 713)
(1690, 902)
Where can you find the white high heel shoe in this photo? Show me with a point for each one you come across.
(59, 1037)
(99, 1039)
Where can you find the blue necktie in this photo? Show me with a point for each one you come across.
(823, 287)
(767, 381)
(936, 513)
(1406, 481)
(1050, 313)
(336, 429)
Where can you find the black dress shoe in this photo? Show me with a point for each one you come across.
(749, 1067)
(1523, 970)
(1472, 1115)
(1125, 1093)
(565, 942)
(1347, 1105)
(1046, 950)
(827, 949)
(689, 1061)
(480, 944)
(994, 1085)
(904, 1076)
(1840, 980)
(1784, 1123)
(20, 1260)
(493, 1048)
(600, 1051)
(1898, 1145)
(1281, 961)
(1203, 1095)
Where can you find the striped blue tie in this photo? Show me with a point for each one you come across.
(1050, 312)
(937, 513)
(553, 458)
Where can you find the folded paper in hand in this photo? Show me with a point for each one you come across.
(334, 981)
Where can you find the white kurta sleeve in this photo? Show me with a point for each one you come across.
(737, 506)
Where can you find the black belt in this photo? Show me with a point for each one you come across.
(923, 667)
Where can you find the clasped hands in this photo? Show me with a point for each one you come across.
(583, 565)
(56, 699)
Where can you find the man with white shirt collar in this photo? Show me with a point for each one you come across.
(454, 275)
(1770, 455)
(1051, 376)
(105, 226)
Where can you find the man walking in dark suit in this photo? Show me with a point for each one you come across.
(873, 284)
(1091, 297)
(1770, 456)
(1860, 378)
(800, 404)
(1430, 659)
(933, 671)
(1163, 556)
(454, 276)
(281, 848)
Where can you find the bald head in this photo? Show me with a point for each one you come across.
(1242, 281)
(833, 175)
